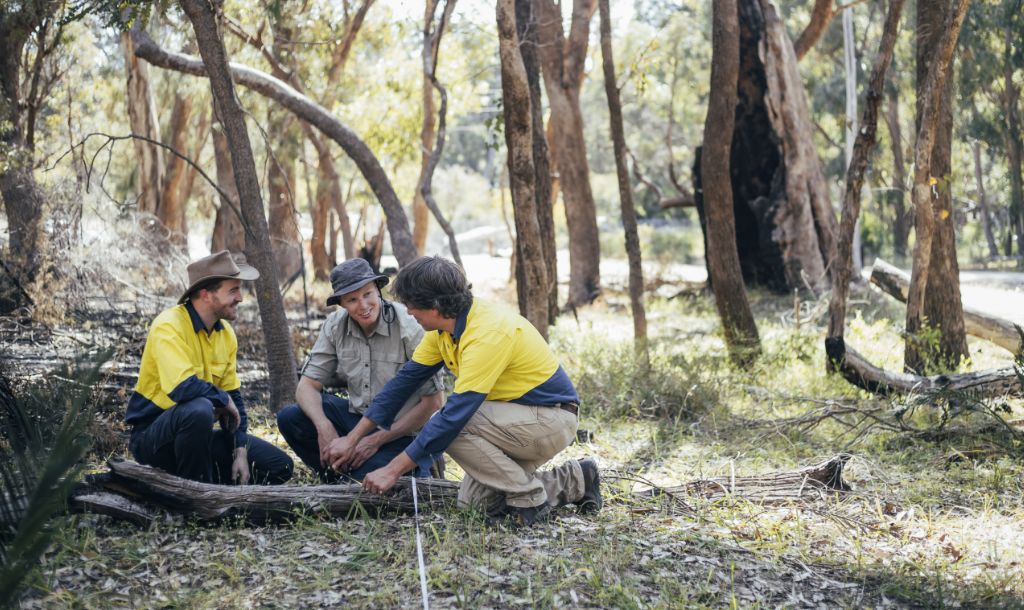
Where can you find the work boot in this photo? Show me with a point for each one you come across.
(526, 517)
(515, 517)
(591, 502)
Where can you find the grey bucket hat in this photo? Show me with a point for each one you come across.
(221, 265)
(351, 275)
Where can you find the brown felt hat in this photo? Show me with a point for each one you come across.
(221, 265)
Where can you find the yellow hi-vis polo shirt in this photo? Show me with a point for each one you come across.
(495, 354)
(182, 361)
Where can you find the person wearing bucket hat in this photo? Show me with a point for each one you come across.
(360, 347)
(188, 381)
(512, 410)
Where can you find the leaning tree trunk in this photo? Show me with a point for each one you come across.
(930, 103)
(864, 142)
(562, 64)
(280, 360)
(636, 273)
(142, 119)
(23, 201)
(515, 91)
(723, 263)
(785, 226)
(526, 28)
(942, 305)
(307, 110)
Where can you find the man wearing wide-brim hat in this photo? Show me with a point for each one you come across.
(188, 381)
(360, 348)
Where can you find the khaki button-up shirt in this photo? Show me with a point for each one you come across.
(344, 356)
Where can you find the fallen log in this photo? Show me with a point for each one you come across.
(894, 282)
(815, 482)
(123, 492)
(856, 369)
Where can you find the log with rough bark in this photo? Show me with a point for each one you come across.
(856, 369)
(129, 488)
(896, 283)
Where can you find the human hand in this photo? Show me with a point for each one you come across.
(367, 447)
(240, 467)
(340, 452)
(380, 480)
(228, 416)
(325, 435)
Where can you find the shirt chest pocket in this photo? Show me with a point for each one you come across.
(351, 365)
(384, 366)
(218, 371)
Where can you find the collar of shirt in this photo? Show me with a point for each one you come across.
(383, 328)
(460, 323)
(197, 322)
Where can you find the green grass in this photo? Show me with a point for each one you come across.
(934, 520)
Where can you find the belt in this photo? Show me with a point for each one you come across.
(571, 407)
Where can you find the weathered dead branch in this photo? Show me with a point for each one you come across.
(856, 369)
(1005, 334)
(124, 492)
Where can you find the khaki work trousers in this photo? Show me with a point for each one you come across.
(501, 448)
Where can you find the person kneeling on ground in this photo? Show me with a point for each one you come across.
(361, 346)
(187, 381)
(513, 408)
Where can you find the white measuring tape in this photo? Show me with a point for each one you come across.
(419, 547)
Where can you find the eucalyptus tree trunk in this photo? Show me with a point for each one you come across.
(228, 231)
(526, 29)
(318, 117)
(934, 284)
(901, 217)
(723, 263)
(173, 199)
(986, 213)
(143, 121)
(850, 72)
(515, 91)
(420, 213)
(280, 359)
(785, 224)
(562, 64)
(23, 201)
(636, 273)
(864, 142)
(941, 305)
(1011, 105)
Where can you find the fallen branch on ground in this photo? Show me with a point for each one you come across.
(1005, 334)
(123, 492)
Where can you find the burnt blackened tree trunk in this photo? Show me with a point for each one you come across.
(785, 225)
(280, 360)
(723, 264)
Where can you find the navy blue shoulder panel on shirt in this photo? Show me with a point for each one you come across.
(558, 388)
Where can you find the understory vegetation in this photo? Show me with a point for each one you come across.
(932, 521)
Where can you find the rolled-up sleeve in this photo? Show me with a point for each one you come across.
(322, 363)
